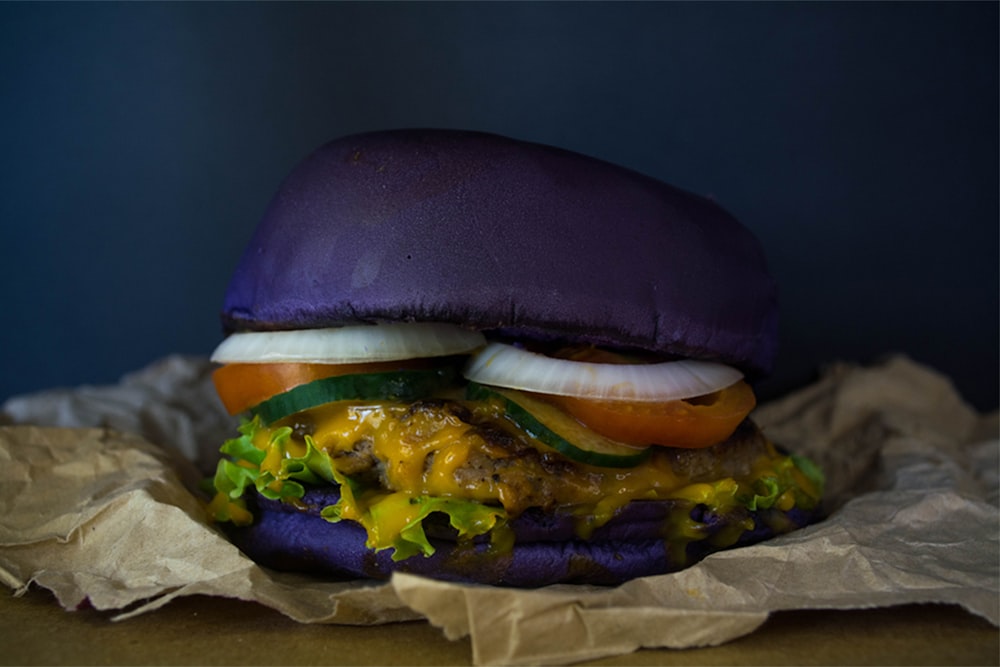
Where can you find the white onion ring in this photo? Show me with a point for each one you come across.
(350, 344)
(511, 367)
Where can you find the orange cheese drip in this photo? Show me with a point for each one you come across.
(423, 453)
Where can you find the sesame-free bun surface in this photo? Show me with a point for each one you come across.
(503, 235)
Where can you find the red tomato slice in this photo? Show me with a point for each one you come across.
(242, 386)
(692, 423)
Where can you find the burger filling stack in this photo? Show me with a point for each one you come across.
(487, 360)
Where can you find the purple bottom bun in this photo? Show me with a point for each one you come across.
(546, 549)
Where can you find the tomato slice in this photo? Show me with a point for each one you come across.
(691, 423)
(242, 386)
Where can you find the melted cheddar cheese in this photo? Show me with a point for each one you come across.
(397, 464)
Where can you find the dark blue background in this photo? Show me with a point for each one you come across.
(141, 143)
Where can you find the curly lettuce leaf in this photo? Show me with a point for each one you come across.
(792, 481)
(246, 465)
(395, 520)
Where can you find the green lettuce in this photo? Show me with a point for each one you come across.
(375, 510)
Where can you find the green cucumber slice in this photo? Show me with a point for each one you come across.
(558, 430)
(402, 385)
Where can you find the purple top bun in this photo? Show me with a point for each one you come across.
(503, 235)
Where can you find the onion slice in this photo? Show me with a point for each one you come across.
(350, 344)
(503, 365)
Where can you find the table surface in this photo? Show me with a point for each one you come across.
(35, 630)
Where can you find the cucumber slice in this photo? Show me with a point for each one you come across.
(558, 430)
(402, 385)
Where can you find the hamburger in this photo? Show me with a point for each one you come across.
(487, 360)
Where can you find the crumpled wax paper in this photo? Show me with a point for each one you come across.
(96, 504)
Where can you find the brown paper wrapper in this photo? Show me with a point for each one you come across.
(97, 504)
